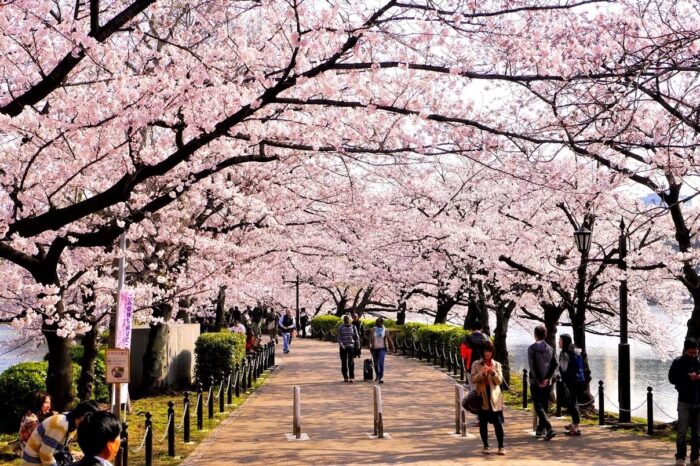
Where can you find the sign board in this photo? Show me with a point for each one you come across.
(124, 318)
(117, 365)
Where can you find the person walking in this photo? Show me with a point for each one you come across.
(487, 377)
(573, 378)
(99, 438)
(684, 374)
(540, 357)
(347, 338)
(287, 326)
(304, 321)
(379, 343)
(360, 328)
(272, 322)
(47, 444)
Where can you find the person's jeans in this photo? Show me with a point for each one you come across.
(378, 354)
(540, 398)
(688, 417)
(574, 391)
(347, 362)
(286, 338)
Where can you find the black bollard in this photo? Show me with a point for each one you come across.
(221, 394)
(255, 367)
(237, 380)
(650, 411)
(243, 378)
(420, 352)
(560, 392)
(122, 458)
(200, 407)
(272, 356)
(186, 422)
(149, 440)
(250, 375)
(601, 404)
(442, 356)
(524, 388)
(229, 390)
(457, 357)
(461, 367)
(210, 399)
(171, 428)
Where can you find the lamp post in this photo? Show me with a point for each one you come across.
(582, 236)
(296, 282)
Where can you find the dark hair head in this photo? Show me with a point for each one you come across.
(380, 321)
(567, 342)
(488, 346)
(540, 332)
(475, 325)
(36, 401)
(690, 343)
(96, 431)
(346, 318)
(83, 408)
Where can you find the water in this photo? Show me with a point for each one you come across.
(647, 369)
(13, 352)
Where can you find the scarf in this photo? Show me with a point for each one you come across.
(379, 332)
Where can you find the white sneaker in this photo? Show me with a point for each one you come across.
(502, 451)
(486, 451)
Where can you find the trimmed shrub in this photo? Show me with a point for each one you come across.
(388, 323)
(100, 392)
(216, 353)
(430, 333)
(17, 384)
(325, 323)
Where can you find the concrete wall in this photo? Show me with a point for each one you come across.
(180, 354)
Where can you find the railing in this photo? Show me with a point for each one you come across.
(223, 389)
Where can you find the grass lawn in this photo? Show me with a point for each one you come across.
(158, 407)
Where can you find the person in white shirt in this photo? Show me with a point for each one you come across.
(238, 327)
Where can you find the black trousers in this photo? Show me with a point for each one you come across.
(540, 398)
(347, 362)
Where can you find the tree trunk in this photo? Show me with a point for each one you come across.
(154, 359)
(59, 378)
(552, 314)
(220, 305)
(445, 304)
(500, 341)
(401, 315)
(86, 382)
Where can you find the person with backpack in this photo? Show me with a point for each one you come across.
(48, 444)
(287, 326)
(472, 349)
(542, 363)
(685, 375)
(347, 339)
(379, 344)
(487, 376)
(573, 378)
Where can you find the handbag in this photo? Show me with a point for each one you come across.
(472, 402)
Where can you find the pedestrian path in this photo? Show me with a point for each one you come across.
(418, 416)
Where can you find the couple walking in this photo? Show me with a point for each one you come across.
(350, 343)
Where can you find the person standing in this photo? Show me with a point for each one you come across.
(304, 321)
(360, 328)
(684, 374)
(540, 357)
(347, 336)
(99, 438)
(272, 321)
(474, 343)
(487, 377)
(574, 379)
(47, 444)
(287, 326)
(379, 343)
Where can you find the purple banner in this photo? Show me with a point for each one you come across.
(124, 315)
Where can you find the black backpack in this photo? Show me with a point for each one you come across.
(287, 321)
(367, 370)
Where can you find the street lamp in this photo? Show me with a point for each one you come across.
(582, 236)
(296, 283)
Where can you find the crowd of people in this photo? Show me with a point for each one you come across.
(253, 322)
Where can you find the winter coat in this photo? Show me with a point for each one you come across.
(494, 382)
(678, 375)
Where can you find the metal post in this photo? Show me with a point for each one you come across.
(210, 399)
(221, 394)
(378, 413)
(244, 379)
(297, 321)
(296, 422)
(229, 390)
(149, 440)
(524, 388)
(117, 401)
(624, 396)
(601, 404)
(250, 375)
(237, 381)
(650, 411)
(123, 455)
(560, 392)
(171, 428)
(442, 356)
(457, 357)
(186, 421)
(462, 362)
(200, 407)
(459, 395)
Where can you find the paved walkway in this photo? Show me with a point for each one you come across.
(418, 410)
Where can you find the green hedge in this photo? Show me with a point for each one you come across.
(430, 333)
(100, 392)
(216, 353)
(324, 323)
(17, 384)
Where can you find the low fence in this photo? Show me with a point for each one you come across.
(449, 357)
(223, 391)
